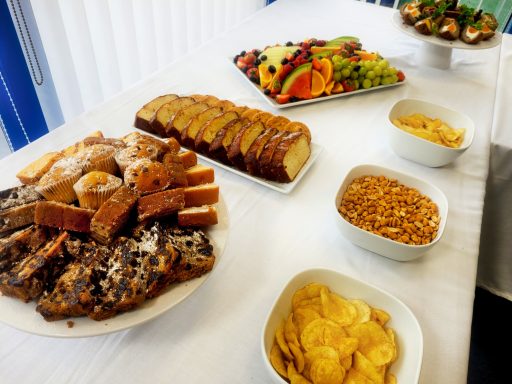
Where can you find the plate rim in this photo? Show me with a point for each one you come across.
(275, 104)
(218, 236)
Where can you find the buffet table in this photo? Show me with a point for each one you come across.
(214, 335)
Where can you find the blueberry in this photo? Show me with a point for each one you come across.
(257, 62)
(289, 44)
(266, 91)
(357, 68)
(284, 61)
(294, 99)
(271, 69)
(263, 57)
(235, 59)
(242, 53)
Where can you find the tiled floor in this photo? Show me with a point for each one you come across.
(491, 340)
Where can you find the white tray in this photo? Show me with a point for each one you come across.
(275, 104)
(279, 187)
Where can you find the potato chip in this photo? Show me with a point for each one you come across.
(346, 362)
(326, 371)
(295, 377)
(290, 331)
(380, 316)
(363, 310)
(298, 357)
(337, 309)
(277, 360)
(322, 352)
(391, 335)
(347, 346)
(303, 316)
(308, 292)
(390, 379)
(321, 332)
(354, 377)
(282, 342)
(313, 302)
(367, 368)
(374, 342)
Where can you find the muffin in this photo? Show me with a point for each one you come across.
(162, 147)
(57, 183)
(94, 188)
(128, 155)
(145, 176)
(98, 157)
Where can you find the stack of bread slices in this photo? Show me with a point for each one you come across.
(255, 141)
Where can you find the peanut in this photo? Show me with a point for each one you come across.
(387, 208)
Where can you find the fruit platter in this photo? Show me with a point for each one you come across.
(312, 70)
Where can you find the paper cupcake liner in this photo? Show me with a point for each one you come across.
(61, 191)
(94, 199)
(107, 164)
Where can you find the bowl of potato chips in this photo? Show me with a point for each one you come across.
(326, 327)
(427, 133)
(391, 213)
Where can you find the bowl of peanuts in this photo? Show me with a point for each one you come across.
(393, 214)
(428, 133)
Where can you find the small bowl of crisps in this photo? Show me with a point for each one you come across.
(427, 133)
(391, 213)
(326, 327)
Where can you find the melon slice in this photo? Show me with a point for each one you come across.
(298, 82)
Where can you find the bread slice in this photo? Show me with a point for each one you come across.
(252, 156)
(17, 207)
(204, 194)
(166, 112)
(277, 122)
(17, 217)
(145, 114)
(290, 155)
(189, 132)
(210, 100)
(249, 113)
(176, 171)
(240, 109)
(265, 158)
(242, 142)
(220, 145)
(199, 174)
(297, 126)
(225, 105)
(80, 145)
(262, 116)
(36, 169)
(160, 204)
(197, 216)
(207, 133)
(182, 117)
(188, 159)
(64, 216)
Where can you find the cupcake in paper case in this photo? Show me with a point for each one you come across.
(57, 183)
(94, 188)
(128, 155)
(98, 157)
(144, 177)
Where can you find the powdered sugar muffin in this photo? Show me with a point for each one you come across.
(94, 188)
(98, 157)
(57, 183)
(145, 176)
(128, 155)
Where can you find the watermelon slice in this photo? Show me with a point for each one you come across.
(298, 82)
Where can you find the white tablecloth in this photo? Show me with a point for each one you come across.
(495, 261)
(214, 336)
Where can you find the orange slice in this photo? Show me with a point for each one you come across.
(337, 88)
(327, 70)
(265, 75)
(328, 88)
(317, 83)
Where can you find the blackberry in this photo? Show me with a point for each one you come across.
(266, 91)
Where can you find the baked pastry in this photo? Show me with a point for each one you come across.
(188, 159)
(174, 145)
(128, 155)
(197, 216)
(17, 206)
(251, 158)
(63, 216)
(240, 109)
(166, 112)
(111, 217)
(144, 176)
(57, 183)
(204, 194)
(176, 171)
(249, 113)
(297, 126)
(225, 105)
(189, 132)
(33, 172)
(242, 142)
(160, 204)
(98, 157)
(116, 143)
(220, 145)
(146, 113)
(162, 146)
(181, 118)
(199, 174)
(266, 154)
(80, 145)
(277, 122)
(262, 116)
(209, 130)
(94, 188)
(289, 157)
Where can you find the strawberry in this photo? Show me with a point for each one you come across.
(283, 99)
(348, 85)
(400, 75)
(249, 58)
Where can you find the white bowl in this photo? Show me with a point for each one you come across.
(408, 332)
(381, 245)
(420, 150)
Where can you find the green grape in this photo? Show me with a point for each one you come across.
(385, 73)
(386, 80)
(394, 79)
(336, 59)
(392, 71)
(345, 62)
(383, 64)
(336, 76)
(345, 72)
(337, 66)
(370, 75)
(377, 70)
(362, 71)
(367, 83)
(376, 82)
(354, 75)
(356, 84)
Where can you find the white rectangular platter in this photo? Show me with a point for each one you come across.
(275, 104)
(279, 187)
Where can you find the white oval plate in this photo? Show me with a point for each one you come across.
(409, 30)
(24, 317)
